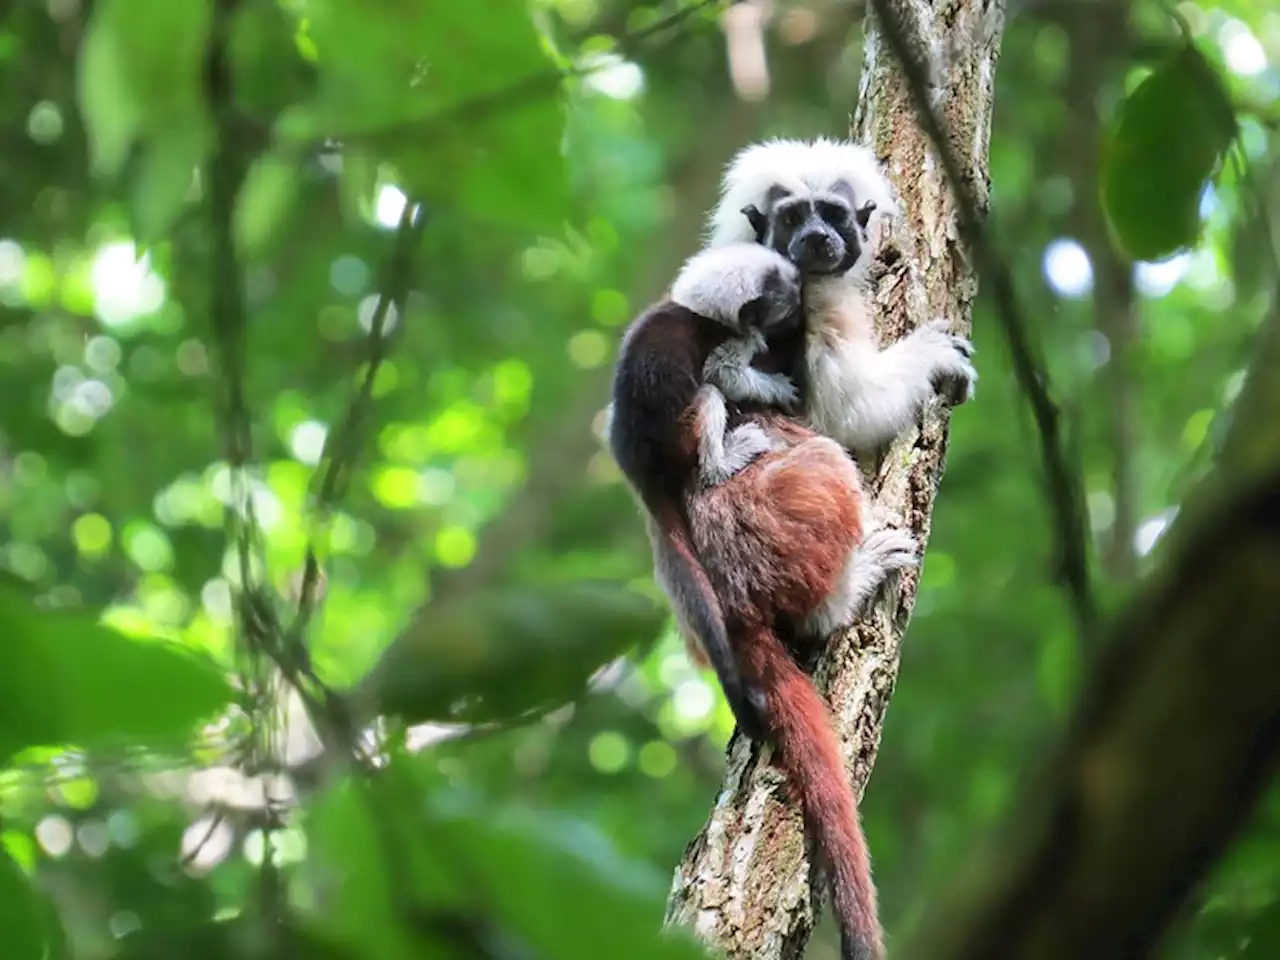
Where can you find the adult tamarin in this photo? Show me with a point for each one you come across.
(814, 202)
(669, 432)
(774, 514)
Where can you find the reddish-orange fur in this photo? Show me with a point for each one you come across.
(756, 554)
(774, 541)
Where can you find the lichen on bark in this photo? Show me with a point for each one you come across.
(747, 883)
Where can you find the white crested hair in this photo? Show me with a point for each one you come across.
(799, 167)
(717, 282)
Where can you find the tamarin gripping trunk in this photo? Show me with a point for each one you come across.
(779, 559)
(756, 522)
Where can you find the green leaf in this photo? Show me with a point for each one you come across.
(1169, 136)
(617, 904)
(358, 182)
(23, 916)
(164, 178)
(141, 73)
(65, 678)
(474, 869)
(403, 77)
(163, 46)
(508, 652)
(112, 116)
(265, 200)
(268, 70)
(351, 844)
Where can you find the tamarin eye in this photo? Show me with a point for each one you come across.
(833, 212)
(864, 212)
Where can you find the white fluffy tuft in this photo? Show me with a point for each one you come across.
(718, 282)
(800, 166)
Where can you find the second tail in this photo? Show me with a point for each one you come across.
(690, 592)
(809, 752)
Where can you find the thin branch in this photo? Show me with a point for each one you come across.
(1066, 499)
(469, 110)
(341, 446)
(228, 316)
(226, 172)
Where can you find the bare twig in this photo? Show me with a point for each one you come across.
(342, 444)
(1066, 499)
(228, 316)
(227, 169)
(260, 629)
(470, 110)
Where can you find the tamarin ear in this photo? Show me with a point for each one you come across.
(759, 222)
(863, 213)
(753, 314)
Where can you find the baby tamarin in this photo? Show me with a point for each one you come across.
(669, 432)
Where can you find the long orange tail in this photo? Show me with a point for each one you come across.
(810, 755)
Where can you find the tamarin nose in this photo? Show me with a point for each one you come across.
(817, 244)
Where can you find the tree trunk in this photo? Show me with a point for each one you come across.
(747, 882)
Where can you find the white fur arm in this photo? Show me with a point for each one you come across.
(864, 397)
(729, 368)
(722, 454)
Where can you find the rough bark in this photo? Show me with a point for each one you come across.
(1174, 738)
(747, 881)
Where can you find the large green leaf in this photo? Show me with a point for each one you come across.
(264, 203)
(479, 872)
(352, 841)
(164, 175)
(141, 71)
(112, 115)
(1169, 136)
(141, 82)
(23, 916)
(617, 904)
(508, 652)
(66, 679)
(434, 86)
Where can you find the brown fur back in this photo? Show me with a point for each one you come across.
(775, 538)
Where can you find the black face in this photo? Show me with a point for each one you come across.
(822, 234)
(777, 309)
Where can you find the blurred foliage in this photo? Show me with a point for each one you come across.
(1171, 135)
(154, 801)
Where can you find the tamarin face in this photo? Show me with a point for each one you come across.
(777, 309)
(821, 233)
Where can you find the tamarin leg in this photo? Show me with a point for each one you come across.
(723, 453)
(869, 564)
